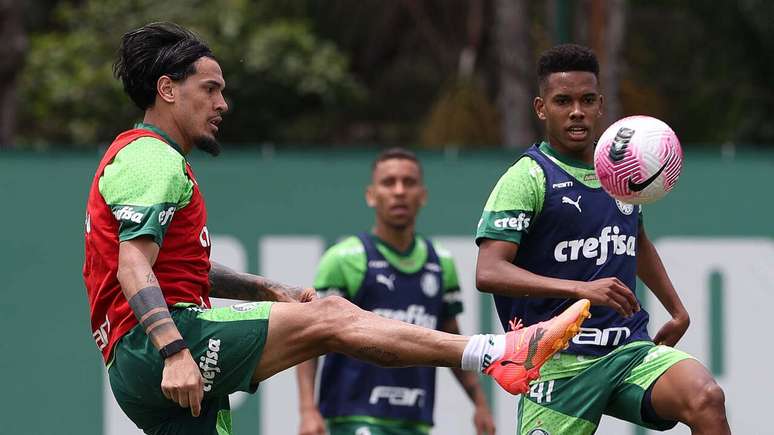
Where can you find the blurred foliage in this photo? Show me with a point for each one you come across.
(275, 67)
(707, 67)
(463, 115)
(386, 71)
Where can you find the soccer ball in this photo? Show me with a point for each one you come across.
(638, 159)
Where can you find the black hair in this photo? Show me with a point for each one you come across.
(152, 51)
(396, 153)
(566, 57)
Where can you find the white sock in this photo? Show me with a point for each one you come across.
(481, 350)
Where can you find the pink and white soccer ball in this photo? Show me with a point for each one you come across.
(638, 159)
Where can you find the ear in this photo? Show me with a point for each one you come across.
(369, 196)
(601, 104)
(423, 198)
(540, 108)
(165, 88)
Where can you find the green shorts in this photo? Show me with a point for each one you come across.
(572, 393)
(374, 426)
(226, 342)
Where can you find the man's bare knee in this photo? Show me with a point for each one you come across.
(708, 406)
(339, 317)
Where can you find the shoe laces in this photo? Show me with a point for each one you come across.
(515, 324)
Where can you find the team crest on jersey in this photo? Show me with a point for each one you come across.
(625, 208)
(538, 431)
(247, 306)
(430, 284)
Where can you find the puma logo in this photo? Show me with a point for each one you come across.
(388, 282)
(576, 203)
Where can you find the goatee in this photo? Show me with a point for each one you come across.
(208, 145)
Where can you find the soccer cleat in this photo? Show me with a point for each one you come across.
(526, 349)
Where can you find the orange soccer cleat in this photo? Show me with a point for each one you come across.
(526, 349)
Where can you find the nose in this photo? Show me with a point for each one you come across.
(220, 103)
(577, 111)
(399, 188)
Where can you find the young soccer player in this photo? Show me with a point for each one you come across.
(149, 278)
(550, 235)
(398, 274)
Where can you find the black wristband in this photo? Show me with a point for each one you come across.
(172, 348)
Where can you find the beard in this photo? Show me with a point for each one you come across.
(207, 144)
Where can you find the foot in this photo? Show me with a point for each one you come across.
(526, 349)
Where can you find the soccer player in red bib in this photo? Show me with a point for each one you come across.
(172, 359)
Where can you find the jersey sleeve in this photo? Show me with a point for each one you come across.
(144, 185)
(452, 295)
(341, 269)
(515, 201)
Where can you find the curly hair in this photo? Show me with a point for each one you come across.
(566, 57)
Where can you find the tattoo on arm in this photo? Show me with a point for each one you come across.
(227, 283)
(151, 311)
(377, 356)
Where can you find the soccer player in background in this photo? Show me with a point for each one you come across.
(550, 235)
(395, 273)
(149, 278)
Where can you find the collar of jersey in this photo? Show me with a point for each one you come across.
(546, 149)
(401, 258)
(405, 253)
(161, 133)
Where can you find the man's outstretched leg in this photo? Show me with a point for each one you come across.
(298, 332)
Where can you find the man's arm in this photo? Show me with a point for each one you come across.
(227, 283)
(652, 272)
(496, 273)
(181, 380)
(482, 417)
(311, 422)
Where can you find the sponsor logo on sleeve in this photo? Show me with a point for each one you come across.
(518, 223)
(165, 216)
(127, 213)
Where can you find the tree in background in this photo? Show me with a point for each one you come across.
(406, 72)
(12, 54)
(278, 72)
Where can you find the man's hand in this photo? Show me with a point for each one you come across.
(182, 382)
(312, 422)
(610, 292)
(483, 421)
(673, 330)
(307, 295)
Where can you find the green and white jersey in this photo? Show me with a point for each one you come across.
(145, 184)
(517, 199)
(342, 269)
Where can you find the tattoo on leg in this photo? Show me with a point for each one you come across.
(151, 278)
(377, 355)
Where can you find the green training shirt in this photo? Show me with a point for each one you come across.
(144, 185)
